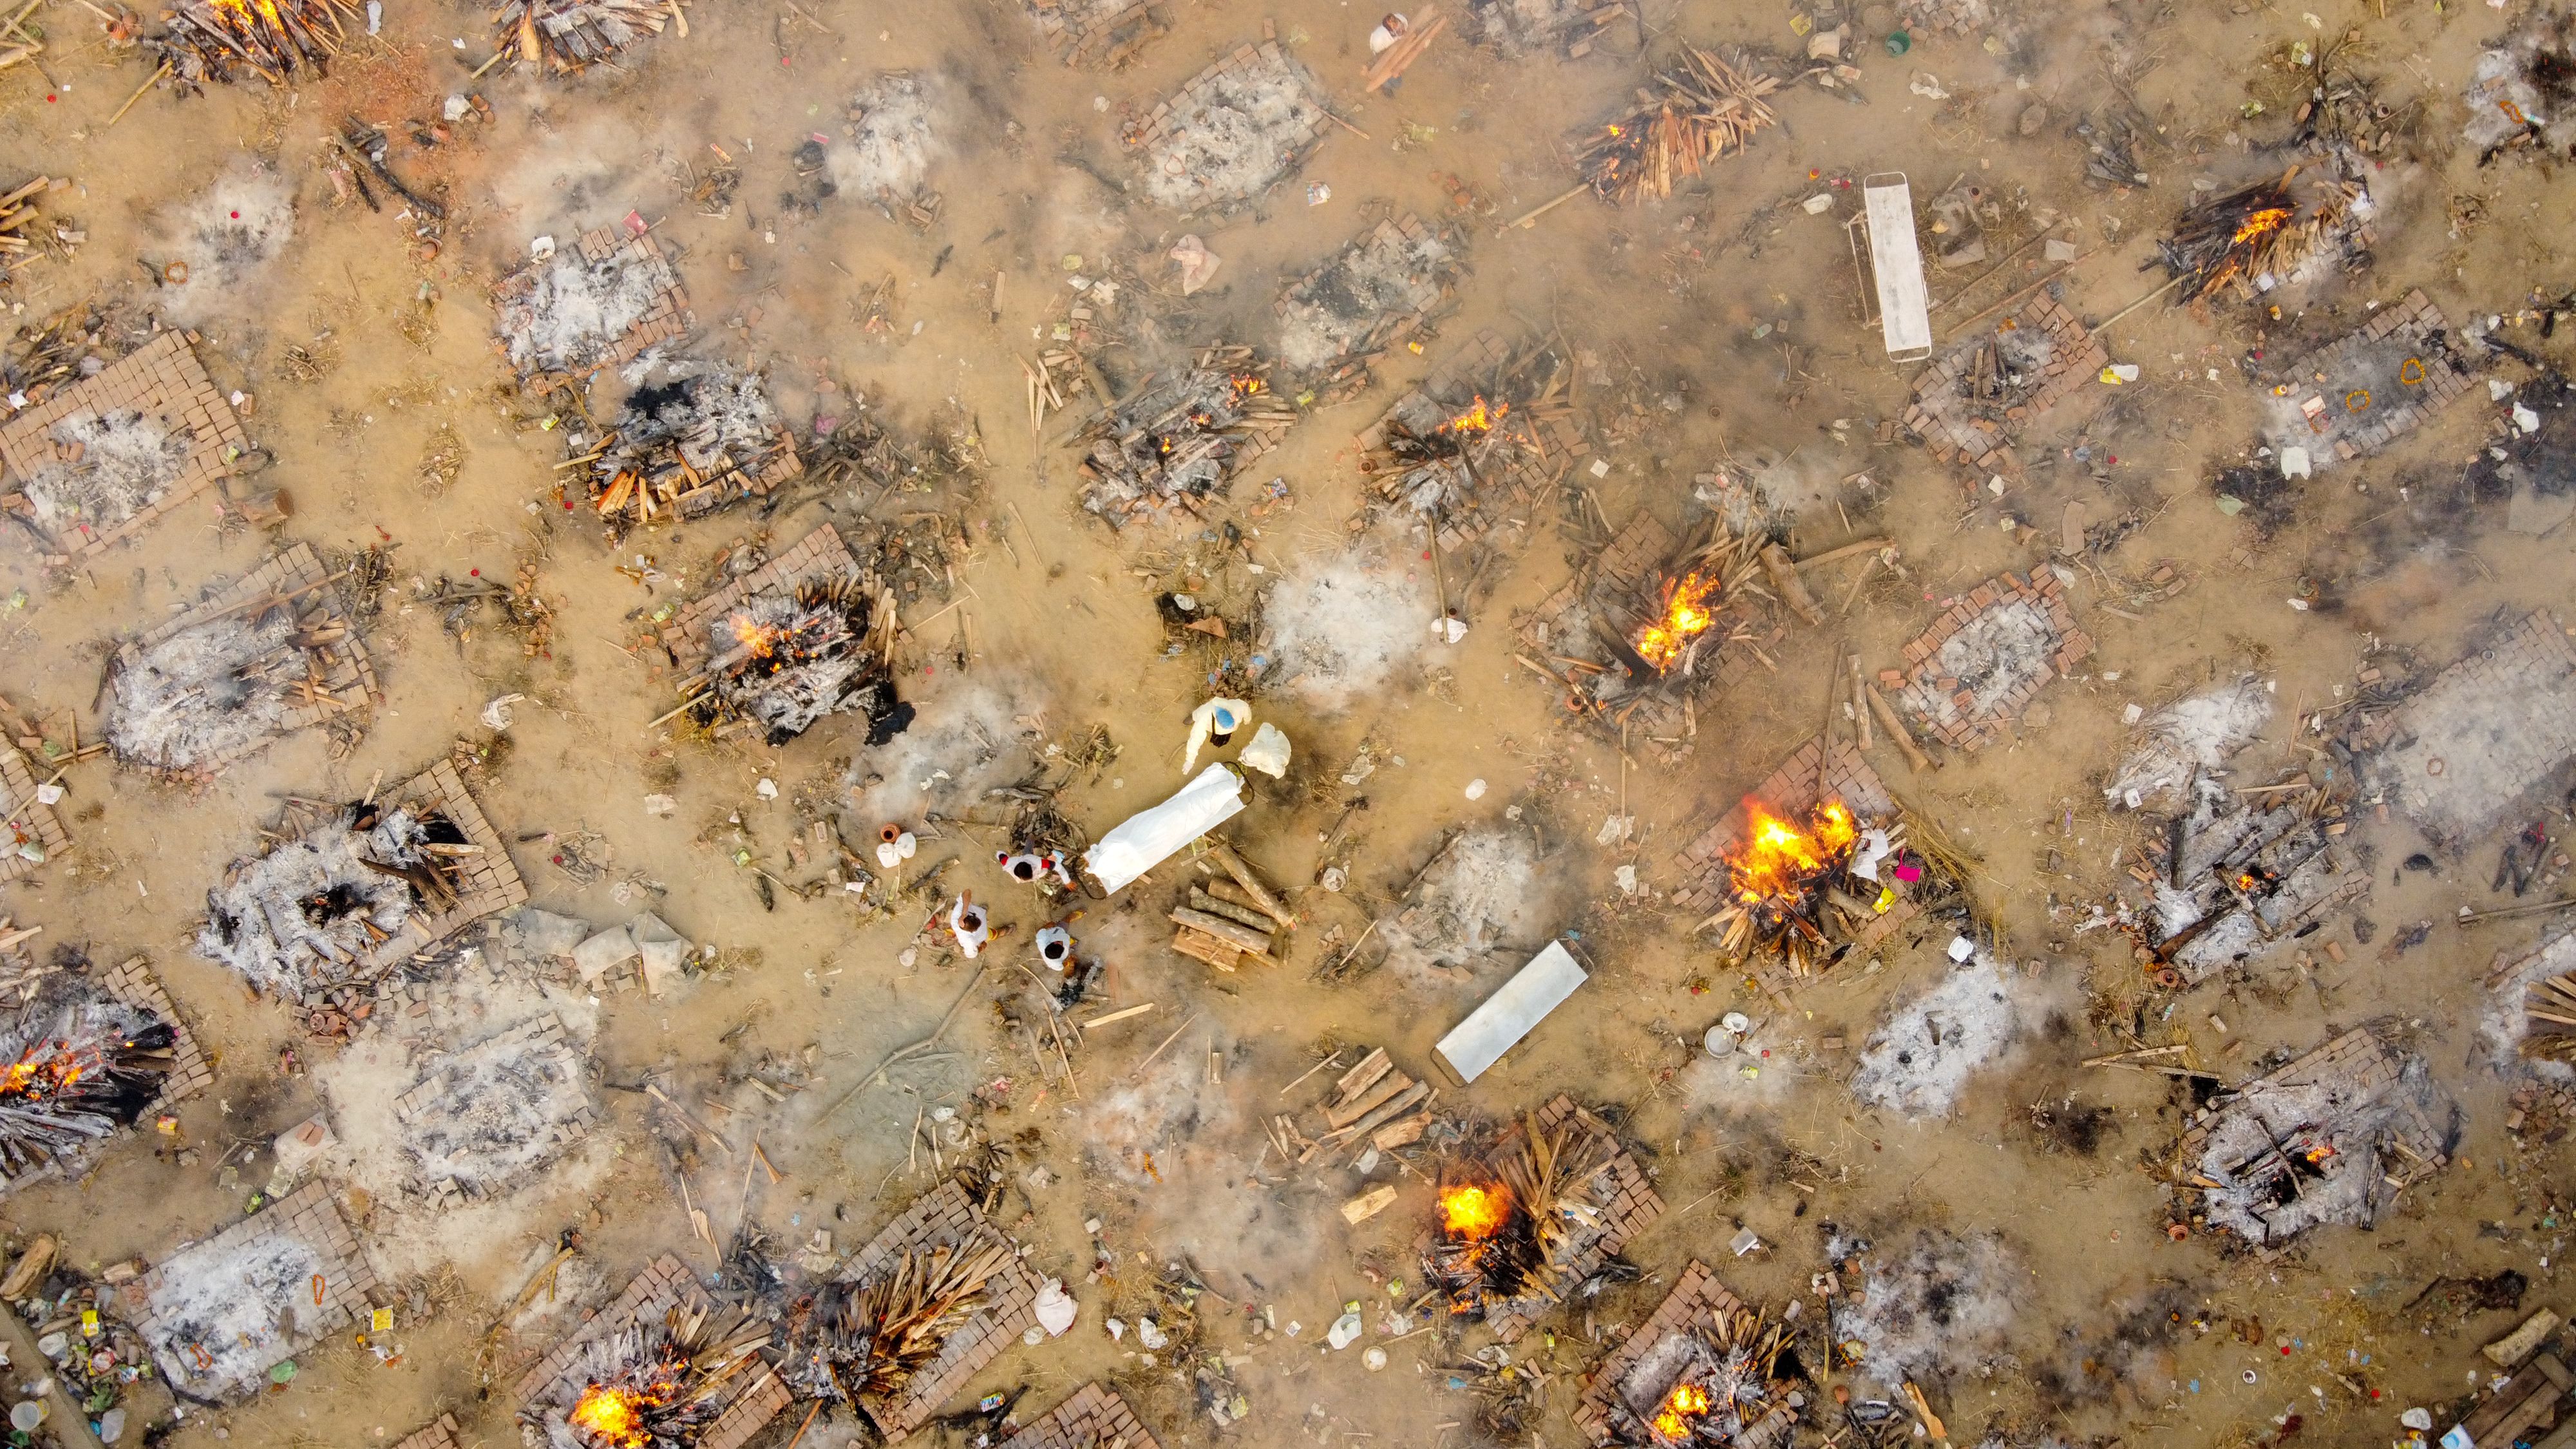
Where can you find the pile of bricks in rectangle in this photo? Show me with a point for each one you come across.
(1452, 388)
(1694, 1298)
(1107, 41)
(1617, 1187)
(344, 1295)
(29, 820)
(1940, 416)
(1394, 233)
(2416, 325)
(1953, 17)
(488, 880)
(1188, 106)
(348, 678)
(133, 983)
(668, 319)
(555, 1384)
(818, 555)
(1810, 777)
(439, 1435)
(2356, 1067)
(448, 1192)
(2512, 702)
(945, 1217)
(1094, 1418)
(161, 379)
(1919, 689)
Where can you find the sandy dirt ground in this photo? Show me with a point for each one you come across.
(1713, 330)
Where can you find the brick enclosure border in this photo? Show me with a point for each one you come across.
(163, 379)
(26, 818)
(348, 668)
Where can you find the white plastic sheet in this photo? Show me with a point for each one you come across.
(1508, 1015)
(1142, 842)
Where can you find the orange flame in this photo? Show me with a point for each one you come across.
(1478, 419)
(1470, 1211)
(1777, 855)
(1686, 1402)
(36, 1078)
(1245, 385)
(1686, 615)
(755, 636)
(613, 1417)
(2269, 218)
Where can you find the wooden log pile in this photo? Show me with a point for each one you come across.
(18, 238)
(868, 1340)
(1374, 1105)
(662, 1385)
(1182, 437)
(1233, 920)
(2265, 231)
(1698, 112)
(567, 36)
(2551, 1009)
(689, 450)
(276, 40)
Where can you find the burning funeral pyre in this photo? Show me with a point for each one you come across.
(784, 659)
(686, 448)
(312, 914)
(2244, 876)
(1800, 893)
(1182, 437)
(2261, 236)
(1707, 109)
(1470, 446)
(274, 653)
(1536, 1219)
(568, 35)
(1728, 1379)
(657, 1385)
(865, 1341)
(275, 40)
(2332, 1137)
(76, 1065)
(1641, 628)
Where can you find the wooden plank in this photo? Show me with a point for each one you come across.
(1344, 1114)
(1403, 1133)
(1403, 1102)
(1120, 1015)
(1203, 947)
(1244, 916)
(1357, 1079)
(1368, 1204)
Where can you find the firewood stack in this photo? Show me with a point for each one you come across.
(277, 40)
(2228, 242)
(1372, 1103)
(867, 1340)
(571, 35)
(1232, 920)
(2551, 1008)
(660, 1386)
(1181, 437)
(17, 220)
(1708, 109)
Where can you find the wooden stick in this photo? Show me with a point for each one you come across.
(1531, 216)
(2506, 913)
(153, 80)
(1915, 759)
(1167, 1041)
(1836, 555)
(1121, 1015)
(1332, 1060)
(1860, 716)
(2099, 327)
(1237, 867)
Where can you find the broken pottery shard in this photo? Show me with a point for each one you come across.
(604, 953)
(1509, 1014)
